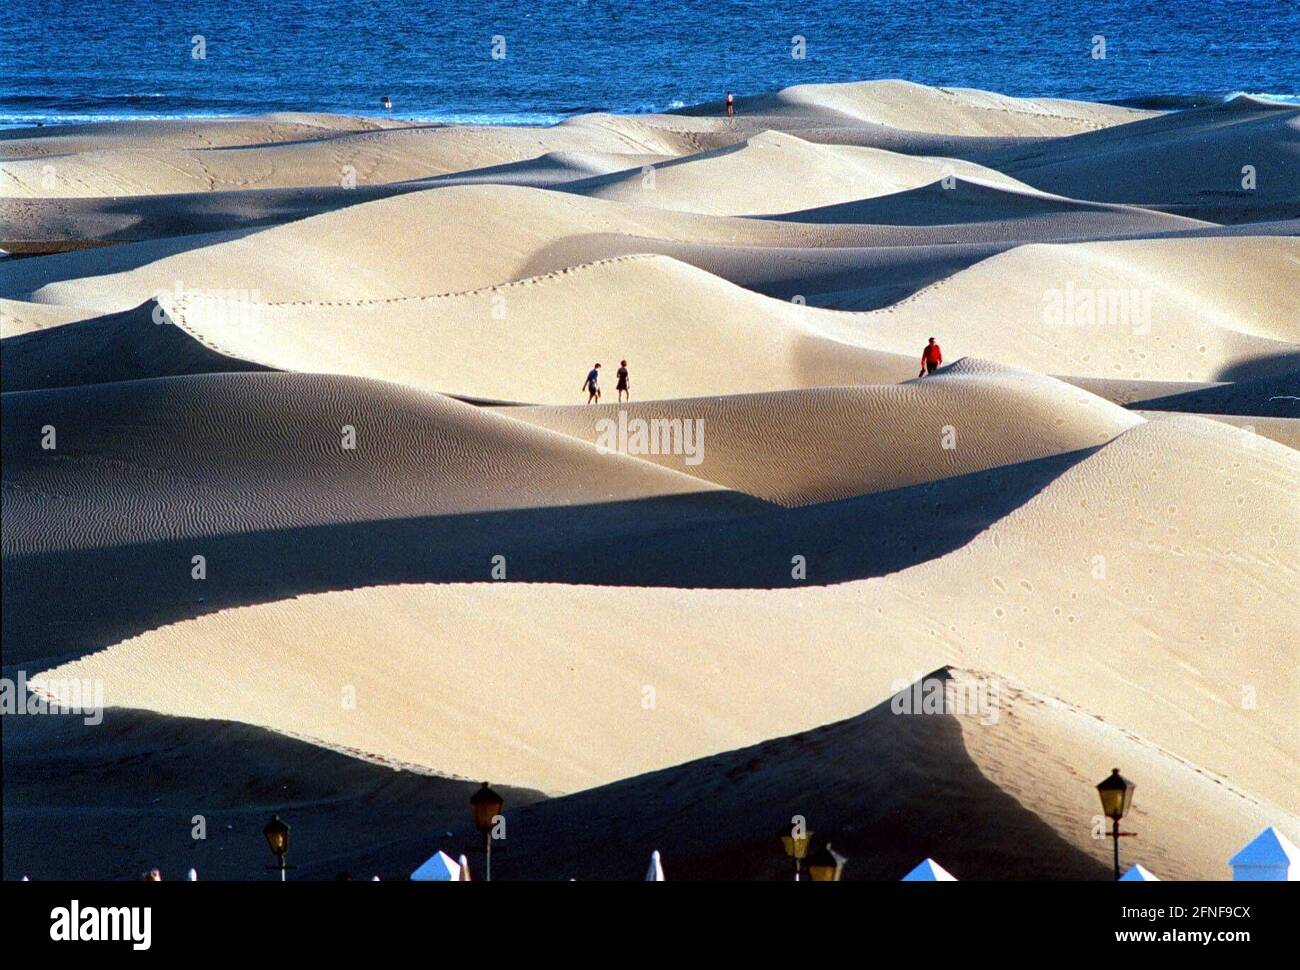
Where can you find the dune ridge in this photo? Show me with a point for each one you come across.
(881, 437)
(208, 454)
(775, 173)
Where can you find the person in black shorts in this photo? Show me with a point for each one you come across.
(591, 385)
(624, 385)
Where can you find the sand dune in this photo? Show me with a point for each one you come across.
(127, 346)
(117, 590)
(1285, 431)
(844, 778)
(711, 337)
(377, 250)
(41, 226)
(881, 437)
(222, 453)
(500, 232)
(1087, 521)
(966, 197)
(128, 158)
(1165, 309)
(775, 173)
(867, 267)
(365, 157)
(959, 768)
(1184, 157)
(896, 116)
(17, 317)
(538, 232)
(1150, 309)
(1277, 396)
(45, 225)
(196, 133)
(920, 108)
(136, 769)
(554, 169)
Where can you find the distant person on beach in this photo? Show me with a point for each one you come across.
(590, 385)
(624, 385)
(731, 105)
(931, 358)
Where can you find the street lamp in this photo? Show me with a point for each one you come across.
(277, 837)
(825, 865)
(1116, 796)
(486, 806)
(796, 846)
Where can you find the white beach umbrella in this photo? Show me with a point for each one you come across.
(192, 876)
(929, 871)
(439, 867)
(656, 871)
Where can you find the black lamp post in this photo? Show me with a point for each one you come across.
(795, 842)
(1116, 797)
(486, 805)
(825, 865)
(277, 837)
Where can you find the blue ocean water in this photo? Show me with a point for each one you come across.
(77, 60)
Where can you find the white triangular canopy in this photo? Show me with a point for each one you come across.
(439, 867)
(656, 871)
(1139, 873)
(1269, 848)
(929, 871)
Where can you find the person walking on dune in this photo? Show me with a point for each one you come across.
(624, 385)
(931, 358)
(731, 105)
(590, 385)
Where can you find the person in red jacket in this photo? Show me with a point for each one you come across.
(931, 358)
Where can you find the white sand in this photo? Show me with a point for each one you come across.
(1124, 577)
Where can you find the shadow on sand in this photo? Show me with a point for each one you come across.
(886, 789)
(66, 603)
